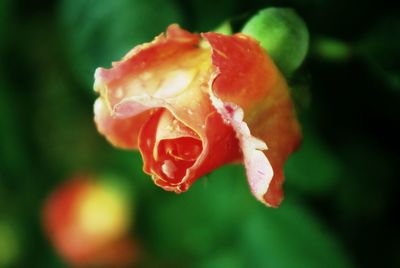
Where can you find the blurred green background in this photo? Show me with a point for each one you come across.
(341, 186)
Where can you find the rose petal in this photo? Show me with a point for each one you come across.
(247, 77)
(170, 72)
(121, 132)
(165, 144)
(258, 169)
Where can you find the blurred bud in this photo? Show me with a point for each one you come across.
(283, 34)
(88, 222)
(9, 244)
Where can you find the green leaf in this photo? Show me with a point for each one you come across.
(283, 34)
(98, 32)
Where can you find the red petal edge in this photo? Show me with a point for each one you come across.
(247, 84)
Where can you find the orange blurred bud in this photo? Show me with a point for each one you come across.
(88, 223)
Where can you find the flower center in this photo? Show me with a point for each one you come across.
(177, 155)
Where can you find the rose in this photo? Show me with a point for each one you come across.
(191, 103)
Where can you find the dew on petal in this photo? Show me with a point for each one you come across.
(169, 168)
(175, 83)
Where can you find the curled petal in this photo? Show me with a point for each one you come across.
(248, 78)
(258, 169)
(177, 158)
(121, 132)
(171, 72)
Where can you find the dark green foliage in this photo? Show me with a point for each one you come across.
(380, 48)
(95, 33)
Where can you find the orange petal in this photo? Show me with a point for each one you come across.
(171, 72)
(121, 132)
(247, 82)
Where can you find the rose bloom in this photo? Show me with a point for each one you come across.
(191, 103)
(88, 224)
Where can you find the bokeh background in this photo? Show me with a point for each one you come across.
(341, 187)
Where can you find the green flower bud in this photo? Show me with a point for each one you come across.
(283, 34)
